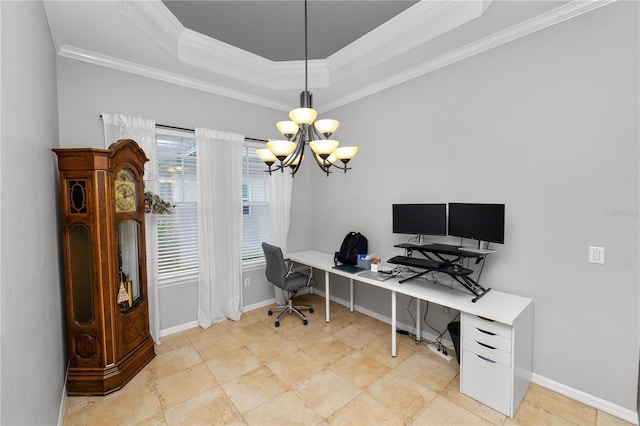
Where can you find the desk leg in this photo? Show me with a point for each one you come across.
(393, 324)
(351, 293)
(326, 296)
(418, 321)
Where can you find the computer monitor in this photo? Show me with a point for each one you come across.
(482, 222)
(420, 219)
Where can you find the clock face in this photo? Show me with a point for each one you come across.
(125, 191)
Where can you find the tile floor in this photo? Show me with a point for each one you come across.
(250, 372)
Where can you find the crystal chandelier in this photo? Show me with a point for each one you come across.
(302, 129)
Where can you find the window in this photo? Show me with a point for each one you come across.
(256, 225)
(177, 232)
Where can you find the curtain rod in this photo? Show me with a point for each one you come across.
(184, 129)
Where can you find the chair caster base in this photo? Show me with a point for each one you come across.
(270, 313)
(277, 323)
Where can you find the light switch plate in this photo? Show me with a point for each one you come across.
(596, 255)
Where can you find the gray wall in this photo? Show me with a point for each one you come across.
(33, 346)
(548, 125)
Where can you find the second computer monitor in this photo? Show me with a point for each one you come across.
(482, 222)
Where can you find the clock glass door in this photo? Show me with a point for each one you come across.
(129, 264)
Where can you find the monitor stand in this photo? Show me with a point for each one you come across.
(483, 248)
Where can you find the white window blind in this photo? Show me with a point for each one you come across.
(177, 232)
(255, 204)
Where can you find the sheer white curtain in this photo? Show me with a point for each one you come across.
(143, 131)
(280, 216)
(219, 161)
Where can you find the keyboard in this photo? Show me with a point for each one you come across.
(416, 262)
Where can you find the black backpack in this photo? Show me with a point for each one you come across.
(353, 244)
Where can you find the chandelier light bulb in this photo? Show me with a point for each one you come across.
(330, 159)
(303, 115)
(324, 147)
(287, 128)
(266, 156)
(281, 149)
(346, 153)
(327, 126)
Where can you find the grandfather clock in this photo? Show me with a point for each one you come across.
(102, 200)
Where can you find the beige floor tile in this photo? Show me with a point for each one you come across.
(273, 347)
(213, 347)
(198, 333)
(561, 405)
(326, 392)
(253, 332)
(294, 367)
(606, 419)
(375, 326)
(253, 389)
(285, 409)
(75, 403)
(528, 414)
(427, 371)
(124, 409)
(355, 335)
(401, 394)
(441, 411)
(184, 385)
(328, 350)
(380, 350)
(172, 342)
(210, 407)
(337, 323)
(173, 361)
(365, 410)
(233, 364)
(156, 420)
(77, 417)
(359, 369)
(304, 334)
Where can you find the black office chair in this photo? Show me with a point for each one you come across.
(280, 272)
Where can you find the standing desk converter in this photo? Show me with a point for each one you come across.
(496, 333)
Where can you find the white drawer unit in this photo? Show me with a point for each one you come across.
(496, 358)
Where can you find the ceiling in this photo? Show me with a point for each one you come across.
(254, 50)
(275, 29)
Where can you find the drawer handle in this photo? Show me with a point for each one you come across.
(485, 332)
(485, 345)
(485, 359)
(486, 319)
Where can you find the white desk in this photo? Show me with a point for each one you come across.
(496, 332)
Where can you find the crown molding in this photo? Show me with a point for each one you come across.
(168, 77)
(548, 19)
(255, 71)
(415, 26)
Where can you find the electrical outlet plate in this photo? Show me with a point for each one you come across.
(596, 255)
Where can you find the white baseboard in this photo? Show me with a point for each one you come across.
(588, 399)
(63, 400)
(177, 329)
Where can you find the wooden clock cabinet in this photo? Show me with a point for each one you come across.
(103, 243)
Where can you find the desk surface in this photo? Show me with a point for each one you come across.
(495, 305)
